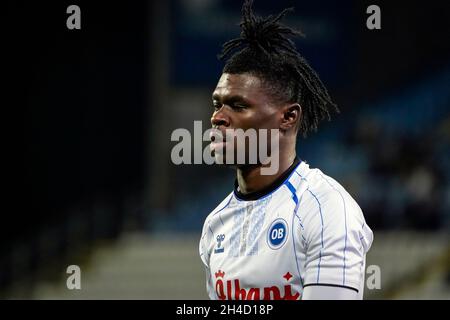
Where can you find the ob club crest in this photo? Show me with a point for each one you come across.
(277, 234)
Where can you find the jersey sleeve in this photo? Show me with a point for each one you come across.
(205, 247)
(204, 256)
(336, 241)
(329, 293)
(202, 247)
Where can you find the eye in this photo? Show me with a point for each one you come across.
(238, 106)
(216, 105)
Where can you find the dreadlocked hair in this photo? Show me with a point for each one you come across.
(267, 52)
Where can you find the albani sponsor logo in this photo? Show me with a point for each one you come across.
(231, 290)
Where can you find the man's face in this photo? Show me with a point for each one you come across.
(241, 102)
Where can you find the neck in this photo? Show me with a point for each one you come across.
(250, 179)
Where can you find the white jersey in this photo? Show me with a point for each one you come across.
(306, 230)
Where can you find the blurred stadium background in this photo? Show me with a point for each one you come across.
(92, 112)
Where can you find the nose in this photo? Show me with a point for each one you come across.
(219, 118)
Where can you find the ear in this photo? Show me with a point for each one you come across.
(290, 117)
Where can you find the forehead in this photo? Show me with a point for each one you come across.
(245, 85)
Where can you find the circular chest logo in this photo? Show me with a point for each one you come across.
(277, 234)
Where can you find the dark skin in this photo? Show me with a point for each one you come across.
(241, 101)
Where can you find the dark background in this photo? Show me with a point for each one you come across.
(88, 115)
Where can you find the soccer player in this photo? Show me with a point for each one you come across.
(295, 234)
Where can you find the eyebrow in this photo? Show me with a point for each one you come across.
(229, 99)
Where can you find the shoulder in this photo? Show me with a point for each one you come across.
(213, 214)
(326, 191)
(327, 203)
